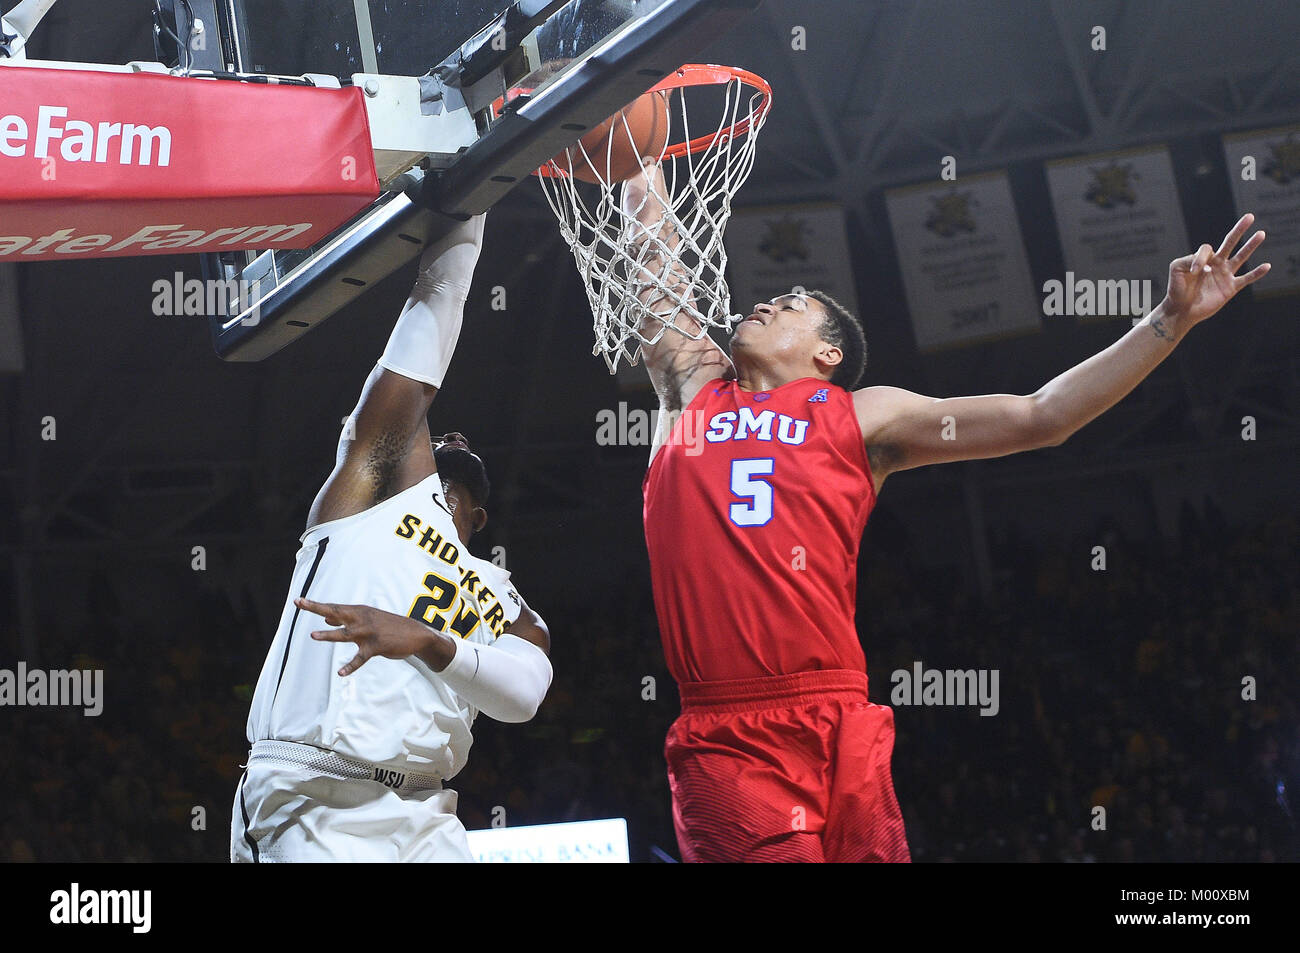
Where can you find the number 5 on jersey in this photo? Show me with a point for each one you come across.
(757, 511)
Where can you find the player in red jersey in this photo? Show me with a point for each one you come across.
(762, 475)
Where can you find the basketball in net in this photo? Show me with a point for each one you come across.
(605, 153)
(700, 126)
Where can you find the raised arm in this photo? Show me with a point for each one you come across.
(385, 446)
(678, 365)
(903, 430)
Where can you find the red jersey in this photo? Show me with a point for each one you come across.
(754, 511)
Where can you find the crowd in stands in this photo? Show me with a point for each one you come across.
(1146, 713)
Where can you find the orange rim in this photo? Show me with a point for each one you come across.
(692, 74)
(700, 74)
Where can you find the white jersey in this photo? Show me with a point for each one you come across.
(403, 556)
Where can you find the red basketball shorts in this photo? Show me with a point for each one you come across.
(788, 768)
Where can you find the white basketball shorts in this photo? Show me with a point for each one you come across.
(297, 803)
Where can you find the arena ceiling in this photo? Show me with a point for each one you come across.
(869, 90)
(868, 94)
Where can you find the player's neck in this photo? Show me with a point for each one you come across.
(759, 379)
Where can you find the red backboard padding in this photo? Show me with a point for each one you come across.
(102, 165)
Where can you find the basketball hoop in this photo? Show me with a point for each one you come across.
(637, 289)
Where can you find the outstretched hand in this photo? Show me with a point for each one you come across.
(1203, 282)
(375, 632)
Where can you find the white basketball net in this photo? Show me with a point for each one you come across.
(637, 288)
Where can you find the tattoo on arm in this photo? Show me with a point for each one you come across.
(1158, 326)
(685, 369)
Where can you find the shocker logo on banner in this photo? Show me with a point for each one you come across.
(785, 239)
(1284, 165)
(951, 214)
(1112, 185)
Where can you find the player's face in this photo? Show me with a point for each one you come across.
(785, 328)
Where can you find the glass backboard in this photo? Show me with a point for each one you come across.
(579, 61)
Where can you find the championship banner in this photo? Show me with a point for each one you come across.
(105, 165)
(773, 249)
(963, 261)
(1264, 168)
(11, 329)
(1120, 224)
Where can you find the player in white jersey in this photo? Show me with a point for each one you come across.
(351, 744)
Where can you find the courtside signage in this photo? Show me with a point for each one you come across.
(577, 842)
(100, 165)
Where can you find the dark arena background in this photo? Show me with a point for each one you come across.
(1133, 589)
